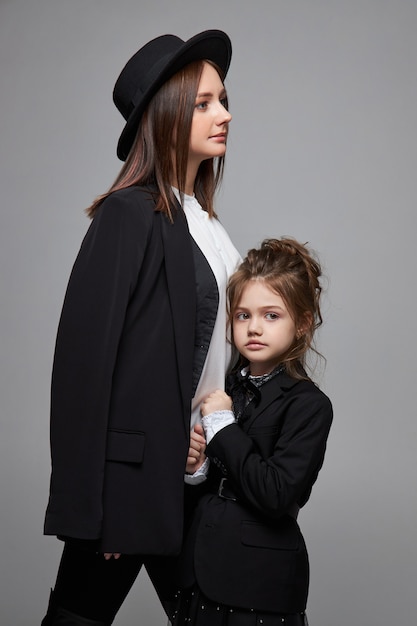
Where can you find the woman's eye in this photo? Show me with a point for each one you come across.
(224, 103)
(201, 106)
(271, 316)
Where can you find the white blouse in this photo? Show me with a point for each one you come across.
(223, 258)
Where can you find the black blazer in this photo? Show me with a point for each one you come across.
(122, 381)
(250, 552)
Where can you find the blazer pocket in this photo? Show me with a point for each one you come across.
(284, 536)
(125, 446)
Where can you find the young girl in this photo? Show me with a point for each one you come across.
(244, 561)
(143, 318)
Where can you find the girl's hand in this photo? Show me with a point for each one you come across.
(196, 456)
(109, 555)
(216, 401)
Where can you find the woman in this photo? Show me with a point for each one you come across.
(143, 313)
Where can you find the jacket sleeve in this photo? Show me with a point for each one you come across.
(103, 277)
(272, 485)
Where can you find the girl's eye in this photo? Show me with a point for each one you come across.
(241, 316)
(271, 316)
(224, 103)
(201, 106)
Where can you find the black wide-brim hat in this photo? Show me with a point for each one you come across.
(153, 65)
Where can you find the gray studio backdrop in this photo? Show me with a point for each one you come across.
(322, 148)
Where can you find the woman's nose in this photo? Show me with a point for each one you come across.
(224, 116)
(228, 115)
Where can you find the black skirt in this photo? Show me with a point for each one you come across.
(192, 608)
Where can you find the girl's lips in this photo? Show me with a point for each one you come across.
(255, 345)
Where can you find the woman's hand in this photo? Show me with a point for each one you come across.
(109, 555)
(216, 401)
(196, 456)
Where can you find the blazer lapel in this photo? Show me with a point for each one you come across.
(270, 391)
(179, 267)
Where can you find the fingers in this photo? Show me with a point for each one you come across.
(197, 442)
(216, 401)
(109, 555)
(199, 430)
(194, 464)
(197, 435)
(217, 395)
(193, 454)
(196, 449)
(191, 461)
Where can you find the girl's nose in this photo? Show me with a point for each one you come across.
(254, 327)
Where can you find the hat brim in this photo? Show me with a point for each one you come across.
(213, 45)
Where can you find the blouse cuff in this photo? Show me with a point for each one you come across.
(216, 421)
(199, 475)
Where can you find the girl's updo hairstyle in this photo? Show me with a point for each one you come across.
(290, 269)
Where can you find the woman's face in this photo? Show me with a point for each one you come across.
(211, 119)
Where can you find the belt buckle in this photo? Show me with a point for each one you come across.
(221, 488)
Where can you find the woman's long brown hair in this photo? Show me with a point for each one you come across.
(165, 124)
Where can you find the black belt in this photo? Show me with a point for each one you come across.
(226, 492)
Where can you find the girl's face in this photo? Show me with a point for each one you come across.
(210, 120)
(263, 329)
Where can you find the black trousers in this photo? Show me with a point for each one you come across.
(92, 587)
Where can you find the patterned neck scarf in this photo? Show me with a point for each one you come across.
(258, 381)
(246, 388)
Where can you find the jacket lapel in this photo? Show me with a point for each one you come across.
(179, 267)
(269, 392)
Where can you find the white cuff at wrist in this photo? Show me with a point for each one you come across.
(216, 421)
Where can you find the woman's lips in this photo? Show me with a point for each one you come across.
(221, 137)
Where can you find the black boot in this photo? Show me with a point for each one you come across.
(57, 616)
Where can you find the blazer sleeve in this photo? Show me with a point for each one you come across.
(273, 483)
(103, 277)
